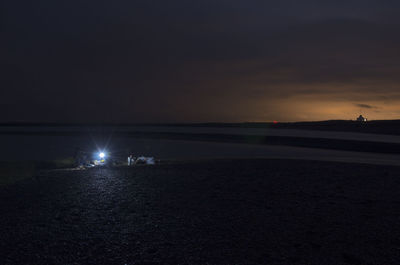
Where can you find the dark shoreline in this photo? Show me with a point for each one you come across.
(248, 211)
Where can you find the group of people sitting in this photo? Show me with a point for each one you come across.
(140, 160)
(131, 160)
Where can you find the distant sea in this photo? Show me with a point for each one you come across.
(57, 142)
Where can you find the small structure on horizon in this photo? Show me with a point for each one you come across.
(361, 118)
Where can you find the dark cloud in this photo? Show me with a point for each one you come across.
(365, 106)
(205, 61)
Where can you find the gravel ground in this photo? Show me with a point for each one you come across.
(205, 212)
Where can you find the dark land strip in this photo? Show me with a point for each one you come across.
(391, 127)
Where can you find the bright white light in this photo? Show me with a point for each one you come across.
(102, 155)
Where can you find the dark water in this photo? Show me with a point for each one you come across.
(106, 131)
(57, 147)
(47, 147)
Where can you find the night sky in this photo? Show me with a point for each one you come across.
(198, 61)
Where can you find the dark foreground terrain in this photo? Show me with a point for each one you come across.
(210, 212)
